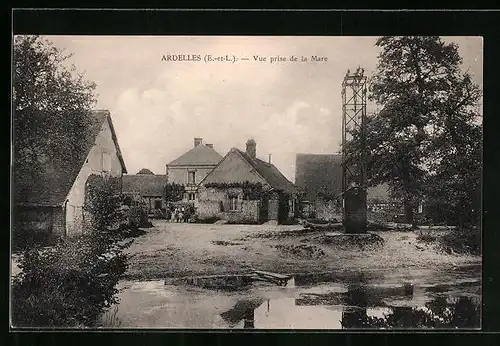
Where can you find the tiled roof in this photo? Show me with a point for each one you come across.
(318, 174)
(144, 184)
(270, 173)
(51, 181)
(199, 155)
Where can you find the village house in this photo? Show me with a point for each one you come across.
(192, 167)
(319, 178)
(54, 201)
(147, 188)
(245, 189)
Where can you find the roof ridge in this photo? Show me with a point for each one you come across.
(208, 150)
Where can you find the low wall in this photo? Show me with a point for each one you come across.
(248, 211)
(327, 210)
(207, 209)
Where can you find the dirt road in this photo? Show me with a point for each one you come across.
(180, 249)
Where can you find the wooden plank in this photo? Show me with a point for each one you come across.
(272, 275)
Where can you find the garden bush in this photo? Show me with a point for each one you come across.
(23, 239)
(463, 240)
(69, 285)
(138, 217)
(74, 282)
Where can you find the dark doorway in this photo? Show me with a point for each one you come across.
(283, 208)
(263, 209)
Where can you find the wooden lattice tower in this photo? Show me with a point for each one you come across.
(354, 120)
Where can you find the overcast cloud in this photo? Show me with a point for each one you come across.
(158, 107)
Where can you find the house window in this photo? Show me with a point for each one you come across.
(233, 203)
(157, 204)
(106, 162)
(191, 196)
(191, 177)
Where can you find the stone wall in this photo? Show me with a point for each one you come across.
(248, 212)
(212, 199)
(273, 207)
(208, 209)
(40, 219)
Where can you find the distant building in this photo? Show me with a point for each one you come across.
(226, 192)
(145, 171)
(192, 167)
(147, 187)
(53, 201)
(319, 177)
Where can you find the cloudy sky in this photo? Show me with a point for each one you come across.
(158, 107)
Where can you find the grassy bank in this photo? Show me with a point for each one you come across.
(460, 241)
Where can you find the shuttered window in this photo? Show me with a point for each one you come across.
(233, 203)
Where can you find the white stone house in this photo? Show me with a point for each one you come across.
(54, 202)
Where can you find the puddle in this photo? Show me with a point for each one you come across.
(343, 300)
(353, 310)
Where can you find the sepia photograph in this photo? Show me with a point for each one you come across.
(246, 182)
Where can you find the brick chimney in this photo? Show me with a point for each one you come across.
(197, 141)
(252, 148)
(210, 145)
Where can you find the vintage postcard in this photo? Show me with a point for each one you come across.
(239, 182)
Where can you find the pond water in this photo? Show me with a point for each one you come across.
(344, 300)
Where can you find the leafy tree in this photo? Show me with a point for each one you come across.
(50, 104)
(72, 283)
(174, 192)
(424, 140)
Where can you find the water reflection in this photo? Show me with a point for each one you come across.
(355, 304)
(461, 312)
(244, 310)
(359, 306)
